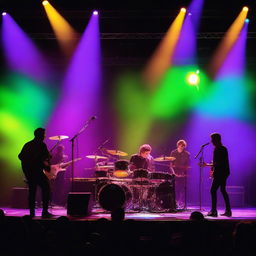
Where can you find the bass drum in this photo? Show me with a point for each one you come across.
(113, 196)
(165, 195)
(100, 183)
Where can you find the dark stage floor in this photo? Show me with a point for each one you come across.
(238, 214)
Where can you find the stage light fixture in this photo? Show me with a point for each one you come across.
(95, 12)
(45, 2)
(245, 9)
(246, 20)
(183, 9)
(193, 78)
(4, 13)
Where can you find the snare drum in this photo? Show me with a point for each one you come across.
(101, 174)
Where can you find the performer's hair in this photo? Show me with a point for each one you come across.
(216, 136)
(145, 148)
(181, 142)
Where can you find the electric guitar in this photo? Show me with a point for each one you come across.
(211, 174)
(56, 168)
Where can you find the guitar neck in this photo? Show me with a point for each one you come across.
(69, 162)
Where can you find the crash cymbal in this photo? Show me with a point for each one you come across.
(164, 158)
(116, 152)
(58, 137)
(95, 157)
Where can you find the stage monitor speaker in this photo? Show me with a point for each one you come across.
(79, 204)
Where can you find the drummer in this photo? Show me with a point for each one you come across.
(143, 159)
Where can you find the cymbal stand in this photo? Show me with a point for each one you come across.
(141, 195)
(56, 144)
(185, 191)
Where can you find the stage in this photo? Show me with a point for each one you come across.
(238, 214)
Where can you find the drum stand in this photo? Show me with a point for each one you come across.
(141, 192)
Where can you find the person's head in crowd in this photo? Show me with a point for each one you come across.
(196, 216)
(118, 215)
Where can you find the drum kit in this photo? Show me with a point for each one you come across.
(138, 190)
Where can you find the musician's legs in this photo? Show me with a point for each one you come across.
(225, 195)
(44, 184)
(180, 190)
(32, 185)
(214, 188)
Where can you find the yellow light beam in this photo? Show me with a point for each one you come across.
(66, 35)
(162, 58)
(227, 42)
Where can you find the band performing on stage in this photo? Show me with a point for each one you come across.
(134, 184)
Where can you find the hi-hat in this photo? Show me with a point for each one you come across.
(96, 157)
(164, 158)
(116, 152)
(58, 137)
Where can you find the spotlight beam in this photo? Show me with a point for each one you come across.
(66, 35)
(162, 58)
(227, 42)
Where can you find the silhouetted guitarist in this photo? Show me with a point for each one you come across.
(35, 158)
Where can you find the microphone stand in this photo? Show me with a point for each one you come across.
(72, 150)
(201, 161)
(56, 144)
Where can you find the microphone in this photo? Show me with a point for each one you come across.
(84, 127)
(206, 144)
(91, 119)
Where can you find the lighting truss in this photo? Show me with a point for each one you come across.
(141, 36)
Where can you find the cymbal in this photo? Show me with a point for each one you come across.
(58, 137)
(164, 158)
(116, 152)
(96, 157)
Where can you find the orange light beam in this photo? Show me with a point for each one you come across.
(162, 58)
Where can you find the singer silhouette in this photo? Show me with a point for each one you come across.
(221, 172)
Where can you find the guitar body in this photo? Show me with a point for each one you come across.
(56, 168)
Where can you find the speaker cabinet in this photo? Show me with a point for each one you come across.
(79, 204)
(19, 198)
